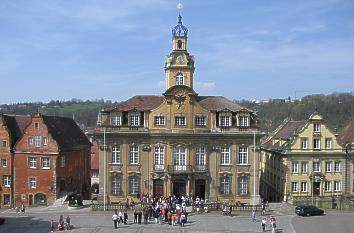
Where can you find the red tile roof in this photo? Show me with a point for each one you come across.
(347, 134)
(139, 102)
(289, 129)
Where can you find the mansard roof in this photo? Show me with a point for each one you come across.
(139, 103)
(218, 103)
(347, 134)
(65, 132)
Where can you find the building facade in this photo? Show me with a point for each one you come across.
(51, 159)
(179, 143)
(303, 162)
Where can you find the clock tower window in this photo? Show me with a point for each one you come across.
(179, 79)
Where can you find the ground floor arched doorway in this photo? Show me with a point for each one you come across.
(200, 188)
(40, 199)
(158, 188)
(179, 187)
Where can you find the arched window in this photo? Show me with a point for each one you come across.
(225, 185)
(40, 199)
(116, 184)
(179, 78)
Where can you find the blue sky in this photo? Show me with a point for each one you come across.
(114, 49)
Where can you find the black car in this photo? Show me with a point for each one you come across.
(308, 210)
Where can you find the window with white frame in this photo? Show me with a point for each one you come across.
(303, 186)
(30, 141)
(116, 120)
(179, 157)
(180, 120)
(316, 127)
(243, 155)
(134, 119)
(62, 161)
(243, 121)
(294, 187)
(225, 120)
(200, 156)
(316, 166)
(45, 162)
(159, 120)
(224, 185)
(32, 181)
(243, 185)
(294, 167)
(133, 154)
(179, 78)
(6, 181)
(225, 155)
(159, 157)
(32, 162)
(3, 162)
(116, 154)
(328, 143)
(336, 166)
(328, 186)
(45, 141)
(116, 184)
(37, 140)
(328, 166)
(316, 143)
(200, 121)
(304, 166)
(337, 185)
(303, 143)
(133, 185)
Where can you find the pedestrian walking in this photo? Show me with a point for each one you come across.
(264, 222)
(52, 226)
(125, 215)
(115, 219)
(140, 214)
(68, 223)
(254, 216)
(120, 217)
(23, 208)
(135, 216)
(273, 223)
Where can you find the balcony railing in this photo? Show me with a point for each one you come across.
(200, 168)
(179, 168)
(159, 167)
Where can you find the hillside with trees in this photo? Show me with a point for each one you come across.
(337, 109)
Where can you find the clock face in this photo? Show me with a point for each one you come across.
(180, 59)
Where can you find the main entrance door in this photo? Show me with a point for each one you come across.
(200, 189)
(179, 188)
(158, 188)
(316, 188)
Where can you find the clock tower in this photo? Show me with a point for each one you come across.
(179, 65)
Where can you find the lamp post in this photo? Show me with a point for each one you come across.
(104, 169)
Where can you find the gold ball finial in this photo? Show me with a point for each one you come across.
(179, 6)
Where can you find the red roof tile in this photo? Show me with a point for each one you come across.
(140, 103)
(347, 134)
(289, 129)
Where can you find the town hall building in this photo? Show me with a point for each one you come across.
(178, 143)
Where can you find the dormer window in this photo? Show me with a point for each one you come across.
(179, 79)
(225, 120)
(36, 125)
(243, 121)
(116, 120)
(134, 119)
(316, 127)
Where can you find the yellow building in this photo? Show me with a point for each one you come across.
(178, 143)
(302, 162)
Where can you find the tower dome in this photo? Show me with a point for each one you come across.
(180, 29)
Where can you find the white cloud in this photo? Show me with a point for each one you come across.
(309, 28)
(205, 86)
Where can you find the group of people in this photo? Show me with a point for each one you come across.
(61, 225)
(272, 223)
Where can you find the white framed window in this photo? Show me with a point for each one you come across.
(116, 154)
(3, 162)
(328, 186)
(328, 143)
(336, 166)
(295, 167)
(133, 185)
(328, 165)
(45, 141)
(159, 157)
(62, 161)
(303, 186)
(116, 184)
(225, 120)
(116, 120)
(32, 162)
(243, 121)
(225, 185)
(294, 186)
(30, 141)
(303, 143)
(134, 119)
(304, 167)
(200, 156)
(179, 78)
(243, 185)
(179, 157)
(243, 155)
(45, 163)
(200, 121)
(133, 154)
(180, 120)
(6, 181)
(32, 181)
(159, 120)
(225, 155)
(316, 166)
(316, 143)
(316, 127)
(37, 140)
(336, 185)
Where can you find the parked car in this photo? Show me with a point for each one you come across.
(308, 210)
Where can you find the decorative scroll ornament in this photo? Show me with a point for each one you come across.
(180, 101)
